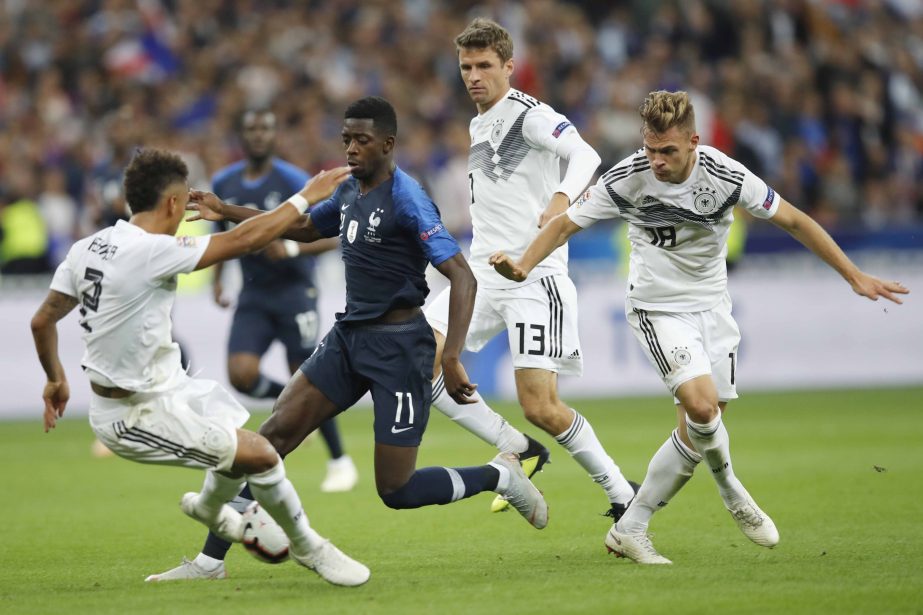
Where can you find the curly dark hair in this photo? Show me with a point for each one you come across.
(150, 172)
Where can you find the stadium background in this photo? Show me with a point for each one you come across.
(822, 99)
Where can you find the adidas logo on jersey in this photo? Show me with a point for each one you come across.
(574, 355)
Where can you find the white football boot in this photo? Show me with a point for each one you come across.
(189, 571)
(332, 565)
(636, 547)
(755, 524)
(521, 493)
(342, 475)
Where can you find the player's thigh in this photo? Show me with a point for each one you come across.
(541, 323)
(672, 342)
(296, 324)
(397, 360)
(299, 410)
(252, 328)
(486, 322)
(194, 425)
(722, 339)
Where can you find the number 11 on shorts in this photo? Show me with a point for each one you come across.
(400, 407)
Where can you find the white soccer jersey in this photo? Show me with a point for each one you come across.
(513, 171)
(125, 279)
(678, 232)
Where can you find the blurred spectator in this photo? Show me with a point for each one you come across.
(823, 99)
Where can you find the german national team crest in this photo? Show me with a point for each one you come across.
(705, 200)
(682, 356)
(352, 230)
(496, 132)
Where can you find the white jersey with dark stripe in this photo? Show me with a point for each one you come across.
(513, 171)
(678, 232)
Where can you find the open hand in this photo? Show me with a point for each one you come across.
(505, 266)
(324, 183)
(207, 205)
(873, 288)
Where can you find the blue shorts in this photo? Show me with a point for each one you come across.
(288, 315)
(393, 361)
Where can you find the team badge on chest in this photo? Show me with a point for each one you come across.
(705, 200)
(351, 230)
(496, 132)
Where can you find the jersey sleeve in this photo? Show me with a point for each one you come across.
(758, 198)
(420, 216)
(172, 255)
(326, 216)
(295, 177)
(594, 205)
(63, 280)
(544, 128)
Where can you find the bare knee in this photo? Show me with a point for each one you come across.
(243, 372)
(701, 408)
(255, 454)
(546, 411)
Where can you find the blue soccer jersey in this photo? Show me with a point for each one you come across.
(387, 237)
(265, 193)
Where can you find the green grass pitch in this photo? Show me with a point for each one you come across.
(840, 472)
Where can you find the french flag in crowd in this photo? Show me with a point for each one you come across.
(146, 55)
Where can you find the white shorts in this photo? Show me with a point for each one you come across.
(685, 345)
(193, 425)
(540, 320)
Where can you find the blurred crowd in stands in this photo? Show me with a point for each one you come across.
(823, 98)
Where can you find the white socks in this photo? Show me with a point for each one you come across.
(581, 442)
(277, 496)
(670, 468)
(216, 491)
(479, 419)
(712, 442)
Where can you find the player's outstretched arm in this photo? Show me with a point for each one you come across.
(257, 230)
(461, 304)
(553, 236)
(803, 228)
(45, 333)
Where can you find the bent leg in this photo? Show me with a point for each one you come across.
(538, 395)
(400, 485)
(477, 417)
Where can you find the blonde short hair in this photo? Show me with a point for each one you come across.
(663, 110)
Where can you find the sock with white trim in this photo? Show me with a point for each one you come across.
(713, 444)
(479, 419)
(441, 485)
(581, 442)
(670, 468)
(277, 496)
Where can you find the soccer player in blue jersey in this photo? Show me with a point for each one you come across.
(389, 230)
(278, 300)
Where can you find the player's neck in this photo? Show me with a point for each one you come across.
(380, 177)
(151, 222)
(257, 167)
(485, 107)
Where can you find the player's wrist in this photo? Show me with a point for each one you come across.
(299, 201)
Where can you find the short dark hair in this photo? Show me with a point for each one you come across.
(150, 172)
(486, 34)
(378, 110)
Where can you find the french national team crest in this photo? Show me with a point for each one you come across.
(705, 200)
(351, 230)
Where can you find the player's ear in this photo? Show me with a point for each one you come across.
(508, 67)
(387, 145)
